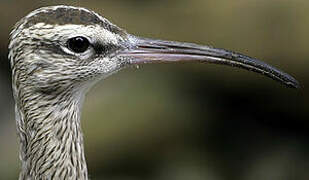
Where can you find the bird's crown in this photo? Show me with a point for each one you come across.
(63, 44)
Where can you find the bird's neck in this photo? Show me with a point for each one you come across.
(51, 137)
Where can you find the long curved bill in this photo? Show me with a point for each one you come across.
(157, 51)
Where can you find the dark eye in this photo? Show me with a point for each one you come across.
(78, 44)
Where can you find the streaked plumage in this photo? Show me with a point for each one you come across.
(50, 80)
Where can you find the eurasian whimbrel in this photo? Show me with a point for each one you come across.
(57, 53)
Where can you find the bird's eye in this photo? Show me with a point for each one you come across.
(78, 44)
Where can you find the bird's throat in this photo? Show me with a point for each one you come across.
(51, 137)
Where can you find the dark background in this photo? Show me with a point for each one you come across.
(188, 121)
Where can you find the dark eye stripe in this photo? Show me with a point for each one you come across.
(103, 48)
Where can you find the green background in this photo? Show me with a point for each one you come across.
(188, 121)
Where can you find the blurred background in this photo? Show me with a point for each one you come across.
(188, 121)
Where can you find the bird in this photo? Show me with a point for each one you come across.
(57, 53)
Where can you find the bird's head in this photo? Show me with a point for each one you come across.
(63, 47)
(60, 47)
